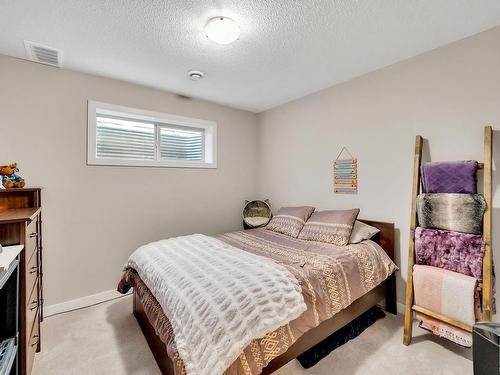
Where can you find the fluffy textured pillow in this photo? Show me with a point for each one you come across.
(290, 220)
(362, 231)
(334, 226)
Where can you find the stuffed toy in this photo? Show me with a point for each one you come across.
(9, 177)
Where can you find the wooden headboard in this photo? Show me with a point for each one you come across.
(386, 236)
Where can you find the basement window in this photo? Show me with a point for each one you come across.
(132, 137)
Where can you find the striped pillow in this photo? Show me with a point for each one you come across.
(290, 220)
(334, 226)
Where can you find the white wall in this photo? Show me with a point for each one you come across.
(95, 216)
(446, 95)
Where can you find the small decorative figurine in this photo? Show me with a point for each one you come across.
(9, 177)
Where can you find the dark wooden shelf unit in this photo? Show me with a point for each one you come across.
(21, 223)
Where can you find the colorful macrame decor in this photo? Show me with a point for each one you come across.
(345, 174)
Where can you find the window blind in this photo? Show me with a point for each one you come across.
(181, 144)
(118, 138)
(124, 139)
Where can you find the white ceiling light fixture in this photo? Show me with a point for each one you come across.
(222, 30)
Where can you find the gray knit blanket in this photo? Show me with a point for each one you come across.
(217, 297)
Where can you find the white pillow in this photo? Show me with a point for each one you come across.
(361, 232)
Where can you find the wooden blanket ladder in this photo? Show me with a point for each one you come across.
(486, 285)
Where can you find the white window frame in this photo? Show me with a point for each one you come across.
(162, 119)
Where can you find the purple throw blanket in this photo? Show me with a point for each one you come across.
(450, 177)
(458, 252)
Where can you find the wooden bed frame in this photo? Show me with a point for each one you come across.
(386, 289)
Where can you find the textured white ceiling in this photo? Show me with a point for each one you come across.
(287, 48)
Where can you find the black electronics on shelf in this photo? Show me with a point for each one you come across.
(9, 322)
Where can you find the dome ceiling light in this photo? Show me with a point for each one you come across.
(222, 30)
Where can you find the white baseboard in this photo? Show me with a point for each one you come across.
(109, 295)
(82, 302)
(401, 308)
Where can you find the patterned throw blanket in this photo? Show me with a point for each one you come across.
(447, 293)
(450, 177)
(217, 297)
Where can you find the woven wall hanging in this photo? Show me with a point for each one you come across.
(345, 174)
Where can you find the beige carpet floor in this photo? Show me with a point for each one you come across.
(105, 339)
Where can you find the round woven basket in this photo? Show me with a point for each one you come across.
(256, 214)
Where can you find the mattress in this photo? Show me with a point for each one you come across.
(331, 278)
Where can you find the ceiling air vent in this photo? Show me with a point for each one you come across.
(43, 54)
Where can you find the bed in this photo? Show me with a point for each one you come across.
(370, 282)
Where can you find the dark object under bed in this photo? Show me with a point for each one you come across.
(350, 331)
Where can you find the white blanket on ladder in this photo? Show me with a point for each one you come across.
(218, 298)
